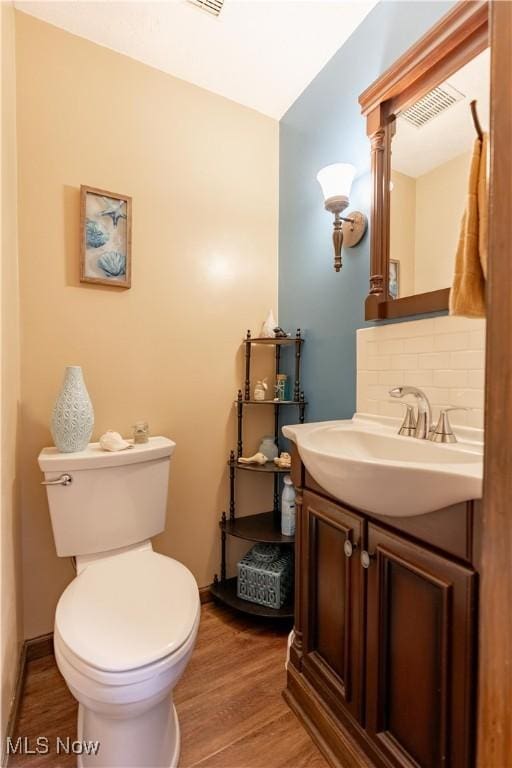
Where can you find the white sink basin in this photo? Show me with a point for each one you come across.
(367, 465)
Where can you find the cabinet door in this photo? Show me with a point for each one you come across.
(420, 654)
(333, 603)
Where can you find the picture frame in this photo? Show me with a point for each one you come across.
(105, 237)
(394, 279)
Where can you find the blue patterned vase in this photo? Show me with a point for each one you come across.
(73, 415)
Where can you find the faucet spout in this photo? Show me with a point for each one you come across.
(424, 420)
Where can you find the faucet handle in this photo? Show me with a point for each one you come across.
(408, 426)
(443, 432)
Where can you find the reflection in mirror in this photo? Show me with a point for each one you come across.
(430, 159)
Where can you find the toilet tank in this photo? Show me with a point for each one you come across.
(114, 499)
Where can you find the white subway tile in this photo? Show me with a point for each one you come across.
(392, 408)
(452, 341)
(378, 362)
(476, 379)
(477, 339)
(378, 393)
(419, 344)
(468, 398)
(450, 378)
(392, 378)
(404, 362)
(368, 378)
(414, 328)
(450, 324)
(369, 333)
(466, 359)
(475, 418)
(438, 396)
(443, 356)
(458, 418)
(421, 378)
(391, 346)
(434, 360)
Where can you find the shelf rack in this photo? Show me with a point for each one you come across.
(264, 526)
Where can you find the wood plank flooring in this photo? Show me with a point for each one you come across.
(229, 702)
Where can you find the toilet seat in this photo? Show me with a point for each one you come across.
(131, 613)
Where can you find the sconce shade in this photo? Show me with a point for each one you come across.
(336, 182)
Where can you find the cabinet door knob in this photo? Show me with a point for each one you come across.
(349, 548)
(366, 559)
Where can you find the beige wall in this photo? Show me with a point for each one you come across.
(203, 175)
(440, 202)
(402, 228)
(425, 221)
(10, 587)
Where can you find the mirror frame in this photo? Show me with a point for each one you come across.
(456, 39)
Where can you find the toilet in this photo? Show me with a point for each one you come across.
(126, 626)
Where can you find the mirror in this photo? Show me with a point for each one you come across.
(430, 161)
(421, 132)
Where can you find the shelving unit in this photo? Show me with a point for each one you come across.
(264, 526)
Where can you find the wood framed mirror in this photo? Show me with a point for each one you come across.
(404, 121)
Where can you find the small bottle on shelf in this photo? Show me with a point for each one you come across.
(288, 508)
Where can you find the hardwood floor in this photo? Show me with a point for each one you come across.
(229, 702)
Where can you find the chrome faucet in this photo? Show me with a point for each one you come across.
(423, 425)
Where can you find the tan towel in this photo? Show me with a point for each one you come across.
(467, 296)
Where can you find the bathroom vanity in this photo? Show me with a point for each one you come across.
(383, 664)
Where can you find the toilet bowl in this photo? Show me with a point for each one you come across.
(126, 626)
(125, 629)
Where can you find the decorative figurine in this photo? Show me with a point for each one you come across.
(284, 461)
(279, 333)
(260, 390)
(258, 458)
(267, 329)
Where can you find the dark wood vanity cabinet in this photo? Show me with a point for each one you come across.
(333, 629)
(419, 661)
(382, 667)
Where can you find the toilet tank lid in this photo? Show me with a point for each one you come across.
(93, 457)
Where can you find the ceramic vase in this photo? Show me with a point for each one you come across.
(268, 448)
(73, 415)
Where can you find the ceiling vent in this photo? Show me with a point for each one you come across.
(210, 6)
(432, 104)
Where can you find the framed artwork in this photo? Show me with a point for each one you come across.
(105, 237)
(394, 279)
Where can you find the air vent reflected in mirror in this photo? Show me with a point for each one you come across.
(432, 104)
(210, 6)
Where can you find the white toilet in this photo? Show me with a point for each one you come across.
(126, 626)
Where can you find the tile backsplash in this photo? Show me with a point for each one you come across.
(444, 356)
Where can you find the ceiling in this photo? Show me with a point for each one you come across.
(260, 53)
(416, 151)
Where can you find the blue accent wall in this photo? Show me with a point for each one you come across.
(325, 126)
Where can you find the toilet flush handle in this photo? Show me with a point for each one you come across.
(62, 480)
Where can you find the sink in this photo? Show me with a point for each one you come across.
(367, 465)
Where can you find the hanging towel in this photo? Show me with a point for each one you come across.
(467, 296)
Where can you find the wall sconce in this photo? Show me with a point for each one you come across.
(336, 181)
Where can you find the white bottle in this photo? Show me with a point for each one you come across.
(288, 508)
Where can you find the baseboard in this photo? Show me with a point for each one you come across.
(35, 648)
(205, 595)
(15, 703)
